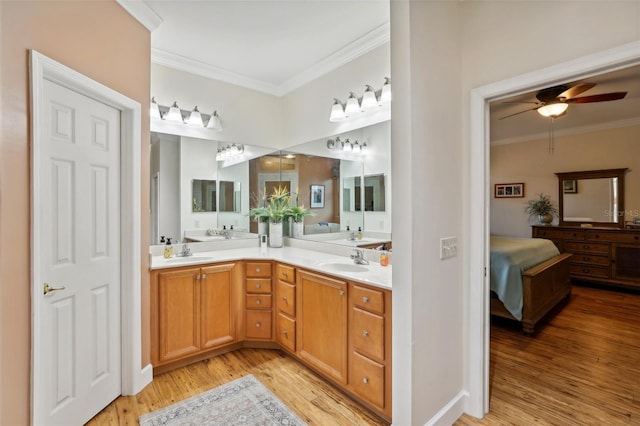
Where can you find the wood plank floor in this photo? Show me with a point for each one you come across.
(581, 368)
(305, 393)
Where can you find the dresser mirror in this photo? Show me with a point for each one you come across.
(594, 197)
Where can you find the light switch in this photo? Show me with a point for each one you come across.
(448, 247)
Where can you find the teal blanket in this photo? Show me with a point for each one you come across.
(509, 258)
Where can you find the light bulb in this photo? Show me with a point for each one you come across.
(195, 119)
(353, 106)
(337, 111)
(174, 113)
(369, 100)
(385, 93)
(346, 146)
(553, 110)
(214, 122)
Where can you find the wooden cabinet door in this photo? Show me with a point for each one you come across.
(217, 317)
(178, 313)
(322, 324)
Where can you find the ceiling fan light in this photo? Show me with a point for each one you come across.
(337, 112)
(369, 100)
(174, 113)
(385, 93)
(553, 110)
(353, 106)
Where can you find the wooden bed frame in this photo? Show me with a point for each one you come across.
(544, 287)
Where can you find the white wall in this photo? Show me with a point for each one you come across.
(197, 161)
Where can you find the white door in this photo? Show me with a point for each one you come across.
(77, 366)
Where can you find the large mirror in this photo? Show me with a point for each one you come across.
(203, 195)
(593, 197)
(344, 177)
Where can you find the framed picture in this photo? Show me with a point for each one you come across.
(570, 186)
(317, 196)
(509, 190)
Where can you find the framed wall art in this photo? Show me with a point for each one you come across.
(508, 190)
(317, 196)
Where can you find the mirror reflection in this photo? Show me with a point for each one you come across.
(595, 196)
(177, 161)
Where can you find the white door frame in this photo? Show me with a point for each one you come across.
(478, 253)
(134, 376)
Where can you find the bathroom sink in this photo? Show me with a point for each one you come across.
(343, 266)
(189, 259)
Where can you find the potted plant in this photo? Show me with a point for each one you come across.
(541, 208)
(297, 214)
(278, 208)
(260, 213)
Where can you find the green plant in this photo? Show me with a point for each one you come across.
(541, 206)
(298, 213)
(278, 204)
(259, 214)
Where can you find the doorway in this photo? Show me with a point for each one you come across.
(479, 191)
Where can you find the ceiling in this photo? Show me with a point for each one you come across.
(578, 118)
(273, 46)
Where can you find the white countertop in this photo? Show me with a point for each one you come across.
(339, 266)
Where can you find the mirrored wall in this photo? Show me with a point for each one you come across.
(192, 192)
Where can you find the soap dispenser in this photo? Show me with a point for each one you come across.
(168, 249)
(359, 234)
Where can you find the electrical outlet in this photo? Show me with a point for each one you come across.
(448, 247)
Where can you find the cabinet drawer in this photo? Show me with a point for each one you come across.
(258, 324)
(258, 301)
(562, 234)
(286, 331)
(589, 271)
(258, 269)
(615, 237)
(366, 378)
(586, 247)
(258, 285)
(368, 334)
(369, 299)
(286, 273)
(286, 298)
(590, 259)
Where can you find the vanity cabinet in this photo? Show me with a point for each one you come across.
(286, 306)
(258, 299)
(600, 255)
(192, 311)
(370, 345)
(322, 326)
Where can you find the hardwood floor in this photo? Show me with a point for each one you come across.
(305, 393)
(581, 368)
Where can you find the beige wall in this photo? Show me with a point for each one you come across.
(100, 40)
(531, 163)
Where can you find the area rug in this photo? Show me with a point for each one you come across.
(244, 401)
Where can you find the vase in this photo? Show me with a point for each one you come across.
(263, 228)
(298, 229)
(275, 234)
(545, 219)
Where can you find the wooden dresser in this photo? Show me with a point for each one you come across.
(607, 256)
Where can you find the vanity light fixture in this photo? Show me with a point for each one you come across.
(229, 151)
(194, 118)
(371, 101)
(346, 146)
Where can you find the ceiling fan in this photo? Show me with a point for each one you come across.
(554, 101)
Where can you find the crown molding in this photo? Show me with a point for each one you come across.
(142, 13)
(573, 131)
(359, 47)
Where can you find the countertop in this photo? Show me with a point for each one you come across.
(338, 266)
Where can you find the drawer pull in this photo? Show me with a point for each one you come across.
(258, 325)
(585, 247)
(575, 235)
(341, 292)
(585, 270)
(204, 276)
(285, 333)
(257, 285)
(257, 269)
(284, 299)
(586, 258)
(365, 299)
(198, 277)
(284, 274)
(365, 380)
(365, 333)
(258, 301)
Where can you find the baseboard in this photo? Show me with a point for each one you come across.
(450, 412)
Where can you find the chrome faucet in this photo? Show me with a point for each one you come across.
(186, 251)
(358, 257)
(352, 236)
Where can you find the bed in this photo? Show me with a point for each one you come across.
(528, 278)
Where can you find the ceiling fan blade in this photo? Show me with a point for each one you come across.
(604, 97)
(517, 113)
(550, 93)
(574, 91)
